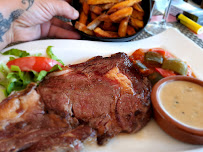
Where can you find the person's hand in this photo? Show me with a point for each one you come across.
(37, 21)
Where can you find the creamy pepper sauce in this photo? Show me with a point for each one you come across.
(183, 100)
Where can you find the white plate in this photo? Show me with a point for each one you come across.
(150, 138)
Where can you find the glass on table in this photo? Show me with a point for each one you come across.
(157, 27)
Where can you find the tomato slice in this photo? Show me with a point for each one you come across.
(34, 63)
(165, 73)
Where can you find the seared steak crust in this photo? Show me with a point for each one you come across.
(105, 93)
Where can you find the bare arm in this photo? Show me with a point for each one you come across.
(25, 20)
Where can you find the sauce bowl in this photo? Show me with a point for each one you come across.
(168, 122)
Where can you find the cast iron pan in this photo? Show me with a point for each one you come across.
(146, 5)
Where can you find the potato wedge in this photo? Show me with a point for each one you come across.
(108, 26)
(92, 25)
(83, 18)
(120, 14)
(86, 8)
(110, 18)
(106, 6)
(93, 16)
(130, 30)
(83, 28)
(101, 33)
(123, 4)
(136, 23)
(138, 15)
(96, 2)
(122, 30)
(137, 7)
(96, 9)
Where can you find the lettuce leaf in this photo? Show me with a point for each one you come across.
(38, 54)
(4, 69)
(11, 58)
(17, 53)
(15, 79)
(51, 55)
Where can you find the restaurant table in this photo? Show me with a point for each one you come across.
(157, 16)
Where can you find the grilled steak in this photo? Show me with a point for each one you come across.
(24, 122)
(105, 93)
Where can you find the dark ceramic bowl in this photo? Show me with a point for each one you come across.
(146, 5)
(167, 122)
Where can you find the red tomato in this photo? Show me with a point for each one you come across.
(34, 63)
(165, 73)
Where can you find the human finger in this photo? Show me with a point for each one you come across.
(58, 32)
(62, 24)
(62, 8)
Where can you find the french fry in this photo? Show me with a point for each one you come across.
(136, 23)
(130, 30)
(108, 26)
(86, 8)
(138, 15)
(96, 9)
(110, 18)
(122, 4)
(92, 25)
(83, 28)
(120, 14)
(137, 7)
(83, 18)
(122, 30)
(101, 33)
(96, 2)
(106, 6)
(93, 16)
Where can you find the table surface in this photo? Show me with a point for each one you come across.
(157, 16)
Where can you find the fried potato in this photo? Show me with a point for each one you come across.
(130, 30)
(92, 25)
(96, 2)
(137, 7)
(106, 6)
(96, 9)
(122, 30)
(83, 18)
(101, 33)
(120, 14)
(86, 8)
(122, 4)
(138, 15)
(110, 18)
(136, 23)
(83, 28)
(108, 26)
(93, 16)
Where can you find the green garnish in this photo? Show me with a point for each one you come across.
(15, 79)
(38, 54)
(17, 53)
(51, 54)
(11, 58)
